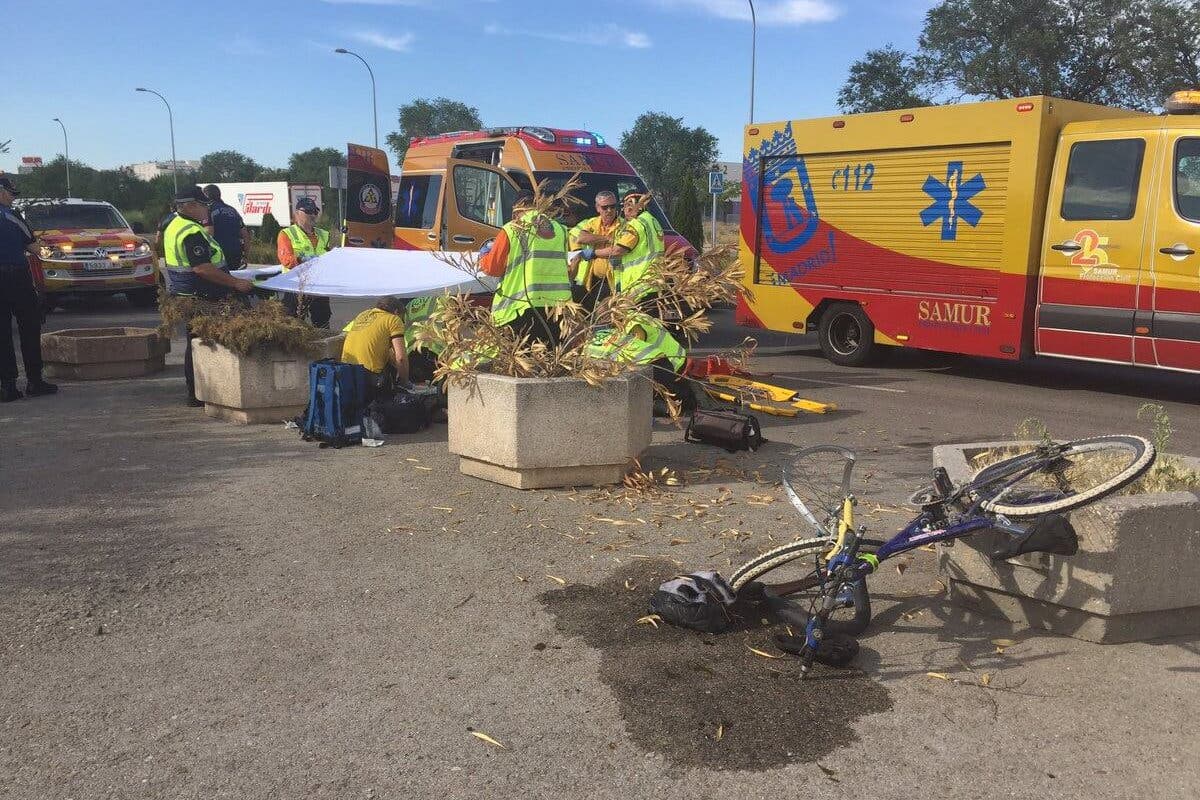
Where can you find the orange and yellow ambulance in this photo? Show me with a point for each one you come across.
(1009, 228)
(457, 189)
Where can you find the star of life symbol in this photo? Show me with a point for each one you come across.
(952, 200)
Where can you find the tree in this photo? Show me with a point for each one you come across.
(665, 152)
(883, 80)
(685, 214)
(424, 117)
(227, 165)
(312, 166)
(1129, 53)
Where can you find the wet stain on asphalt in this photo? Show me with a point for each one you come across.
(703, 700)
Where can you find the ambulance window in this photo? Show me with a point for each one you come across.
(1102, 179)
(417, 201)
(478, 195)
(1187, 179)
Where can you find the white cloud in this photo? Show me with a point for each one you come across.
(768, 12)
(397, 44)
(608, 35)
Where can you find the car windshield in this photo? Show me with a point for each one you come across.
(595, 182)
(67, 216)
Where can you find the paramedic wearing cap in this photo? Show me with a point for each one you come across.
(299, 242)
(18, 298)
(195, 264)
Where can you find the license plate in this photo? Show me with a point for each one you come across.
(100, 266)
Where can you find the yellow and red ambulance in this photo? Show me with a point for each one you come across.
(457, 189)
(1009, 228)
(85, 247)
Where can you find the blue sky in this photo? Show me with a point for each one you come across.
(260, 76)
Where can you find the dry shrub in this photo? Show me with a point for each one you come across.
(678, 288)
(1168, 474)
(243, 329)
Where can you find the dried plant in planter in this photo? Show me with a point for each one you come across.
(676, 288)
(239, 327)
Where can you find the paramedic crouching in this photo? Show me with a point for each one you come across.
(375, 339)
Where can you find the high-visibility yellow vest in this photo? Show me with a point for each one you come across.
(302, 246)
(536, 273)
(418, 311)
(632, 348)
(181, 279)
(634, 264)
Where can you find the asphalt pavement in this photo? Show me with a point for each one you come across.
(192, 609)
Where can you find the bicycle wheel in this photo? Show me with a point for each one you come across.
(1062, 477)
(796, 571)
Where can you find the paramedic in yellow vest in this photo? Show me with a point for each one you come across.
(422, 359)
(375, 339)
(297, 243)
(647, 343)
(651, 246)
(595, 276)
(194, 265)
(529, 255)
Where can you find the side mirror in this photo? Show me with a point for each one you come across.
(138, 228)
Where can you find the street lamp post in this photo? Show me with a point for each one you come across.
(171, 121)
(66, 153)
(374, 104)
(753, 55)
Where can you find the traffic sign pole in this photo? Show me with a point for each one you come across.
(716, 183)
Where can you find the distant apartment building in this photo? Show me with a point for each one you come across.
(149, 170)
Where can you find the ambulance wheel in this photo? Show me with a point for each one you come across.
(847, 335)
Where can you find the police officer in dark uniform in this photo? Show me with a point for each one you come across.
(195, 265)
(18, 298)
(226, 226)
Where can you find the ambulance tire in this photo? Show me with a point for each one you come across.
(847, 335)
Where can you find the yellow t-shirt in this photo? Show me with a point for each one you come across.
(369, 339)
(600, 267)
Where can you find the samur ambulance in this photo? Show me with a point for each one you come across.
(1010, 228)
(457, 189)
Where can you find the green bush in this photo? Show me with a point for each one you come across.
(686, 214)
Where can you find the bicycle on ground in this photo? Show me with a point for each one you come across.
(1023, 495)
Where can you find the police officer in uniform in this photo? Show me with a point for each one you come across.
(18, 298)
(195, 265)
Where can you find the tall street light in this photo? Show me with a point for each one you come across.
(753, 55)
(374, 105)
(171, 120)
(66, 152)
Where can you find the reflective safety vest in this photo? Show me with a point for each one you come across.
(181, 279)
(418, 312)
(634, 349)
(536, 275)
(302, 246)
(632, 266)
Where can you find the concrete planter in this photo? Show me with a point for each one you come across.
(1136, 575)
(88, 354)
(533, 433)
(265, 387)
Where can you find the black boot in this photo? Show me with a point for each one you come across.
(36, 387)
(9, 392)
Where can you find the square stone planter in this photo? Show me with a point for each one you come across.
(267, 386)
(533, 433)
(88, 354)
(1136, 575)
